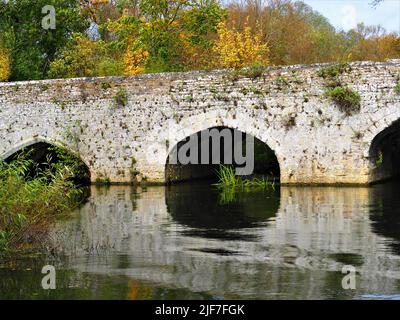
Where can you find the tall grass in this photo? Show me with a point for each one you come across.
(228, 179)
(29, 203)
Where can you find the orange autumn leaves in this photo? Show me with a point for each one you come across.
(146, 36)
(219, 47)
(135, 61)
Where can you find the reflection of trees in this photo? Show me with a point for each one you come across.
(180, 241)
(385, 212)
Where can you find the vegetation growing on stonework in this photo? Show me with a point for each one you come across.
(121, 98)
(288, 121)
(379, 160)
(397, 87)
(333, 71)
(347, 99)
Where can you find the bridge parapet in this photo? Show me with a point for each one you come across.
(124, 127)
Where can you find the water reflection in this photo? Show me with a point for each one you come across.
(384, 208)
(183, 242)
(203, 214)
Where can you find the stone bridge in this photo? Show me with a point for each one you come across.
(124, 128)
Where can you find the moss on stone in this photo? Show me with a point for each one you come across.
(121, 98)
(347, 99)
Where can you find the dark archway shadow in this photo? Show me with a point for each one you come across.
(43, 155)
(265, 161)
(385, 154)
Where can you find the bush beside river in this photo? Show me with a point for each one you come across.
(30, 199)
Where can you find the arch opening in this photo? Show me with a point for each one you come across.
(44, 156)
(384, 154)
(206, 150)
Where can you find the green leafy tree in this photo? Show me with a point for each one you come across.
(32, 47)
(169, 31)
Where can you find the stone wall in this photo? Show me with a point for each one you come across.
(314, 141)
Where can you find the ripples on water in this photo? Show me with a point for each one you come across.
(190, 241)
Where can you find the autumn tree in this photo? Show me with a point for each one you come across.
(372, 43)
(171, 32)
(236, 49)
(4, 64)
(129, 37)
(84, 57)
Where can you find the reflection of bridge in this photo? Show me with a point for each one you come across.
(315, 230)
(284, 107)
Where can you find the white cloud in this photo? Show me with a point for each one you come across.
(349, 17)
(386, 14)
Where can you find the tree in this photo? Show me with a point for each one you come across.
(135, 61)
(295, 33)
(169, 31)
(32, 48)
(4, 64)
(373, 43)
(236, 49)
(84, 57)
(376, 2)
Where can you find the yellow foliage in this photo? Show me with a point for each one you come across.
(377, 48)
(86, 58)
(135, 61)
(99, 2)
(236, 49)
(193, 57)
(4, 64)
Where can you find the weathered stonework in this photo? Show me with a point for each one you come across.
(284, 107)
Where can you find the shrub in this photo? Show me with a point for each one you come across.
(28, 204)
(333, 71)
(121, 98)
(347, 99)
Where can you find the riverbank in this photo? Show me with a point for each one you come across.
(30, 200)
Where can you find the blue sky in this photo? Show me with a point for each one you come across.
(345, 14)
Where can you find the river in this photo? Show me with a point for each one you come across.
(192, 241)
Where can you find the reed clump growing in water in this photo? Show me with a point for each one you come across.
(30, 202)
(228, 179)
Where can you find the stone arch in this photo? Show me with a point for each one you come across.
(238, 121)
(384, 153)
(31, 142)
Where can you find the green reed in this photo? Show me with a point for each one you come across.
(29, 203)
(228, 179)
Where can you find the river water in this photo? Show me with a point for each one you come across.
(192, 241)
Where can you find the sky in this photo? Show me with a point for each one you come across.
(345, 14)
